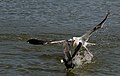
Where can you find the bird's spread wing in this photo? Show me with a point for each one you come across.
(67, 51)
(43, 42)
(89, 33)
(77, 49)
(54, 42)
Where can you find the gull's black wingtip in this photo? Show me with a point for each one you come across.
(36, 42)
(108, 13)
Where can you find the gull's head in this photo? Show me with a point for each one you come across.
(76, 40)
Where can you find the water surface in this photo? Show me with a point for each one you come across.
(21, 20)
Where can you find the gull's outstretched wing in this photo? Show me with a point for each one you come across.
(43, 42)
(77, 49)
(67, 50)
(89, 33)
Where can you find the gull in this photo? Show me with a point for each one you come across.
(76, 59)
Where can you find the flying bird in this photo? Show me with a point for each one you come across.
(78, 57)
